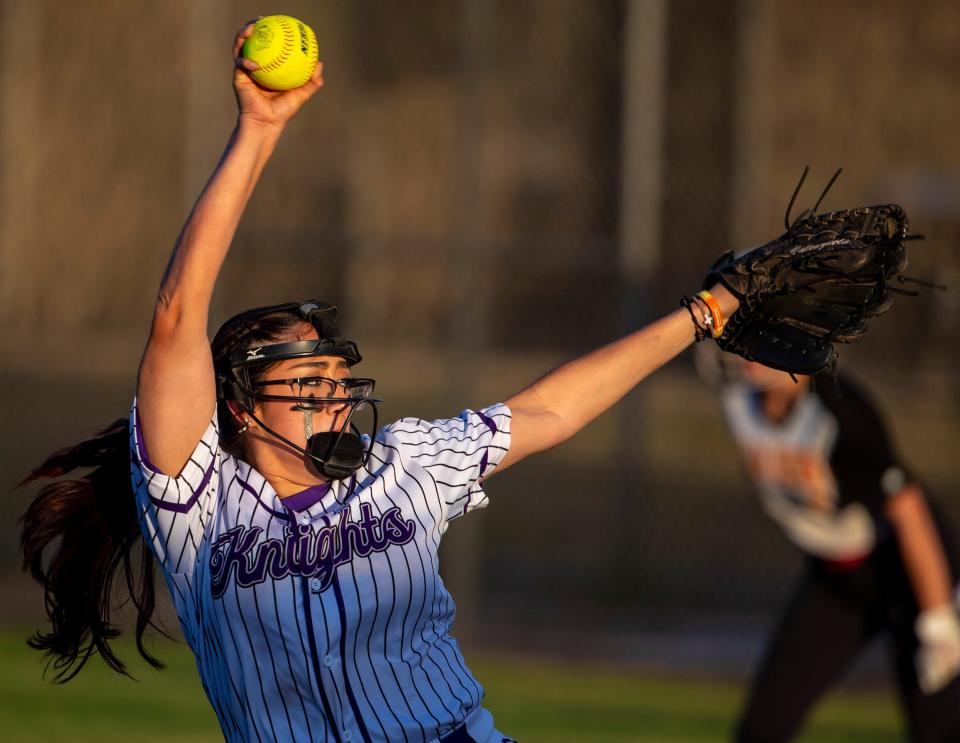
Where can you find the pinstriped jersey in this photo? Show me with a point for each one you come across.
(322, 616)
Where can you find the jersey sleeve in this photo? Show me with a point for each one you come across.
(174, 511)
(458, 453)
(865, 459)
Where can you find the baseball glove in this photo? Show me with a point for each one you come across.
(814, 286)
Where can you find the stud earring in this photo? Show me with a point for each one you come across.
(246, 425)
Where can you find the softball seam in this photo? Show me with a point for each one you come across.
(289, 41)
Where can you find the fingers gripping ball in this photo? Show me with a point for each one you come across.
(285, 49)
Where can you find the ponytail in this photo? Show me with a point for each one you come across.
(91, 528)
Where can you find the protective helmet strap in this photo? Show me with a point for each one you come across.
(331, 470)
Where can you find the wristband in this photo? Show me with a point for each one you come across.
(715, 313)
(701, 327)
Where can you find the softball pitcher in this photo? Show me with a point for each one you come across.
(299, 540)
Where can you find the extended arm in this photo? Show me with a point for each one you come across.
(558, 405)
(176, 386)
(937, 626)
(920, 548)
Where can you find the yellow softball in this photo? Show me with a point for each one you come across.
(285, 49)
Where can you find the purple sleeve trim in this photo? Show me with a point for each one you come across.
(187, 504)
(141, 449)
(487, 420)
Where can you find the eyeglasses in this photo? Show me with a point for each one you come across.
(319, 389)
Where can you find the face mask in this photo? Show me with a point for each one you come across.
(338, 454)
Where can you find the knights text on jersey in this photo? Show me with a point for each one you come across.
(322, 616)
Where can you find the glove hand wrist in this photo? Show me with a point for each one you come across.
(725, 298)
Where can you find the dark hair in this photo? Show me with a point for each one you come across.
(90, 525)
(93, 522)
(237, 334)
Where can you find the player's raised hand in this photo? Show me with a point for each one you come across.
(257, 104)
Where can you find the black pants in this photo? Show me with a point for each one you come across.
(833, 615)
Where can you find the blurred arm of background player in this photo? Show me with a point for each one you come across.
(176, 387)
(937, 627)
(555, 407)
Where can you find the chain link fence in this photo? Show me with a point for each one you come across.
(488, 188)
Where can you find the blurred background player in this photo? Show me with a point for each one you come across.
(879, 559)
